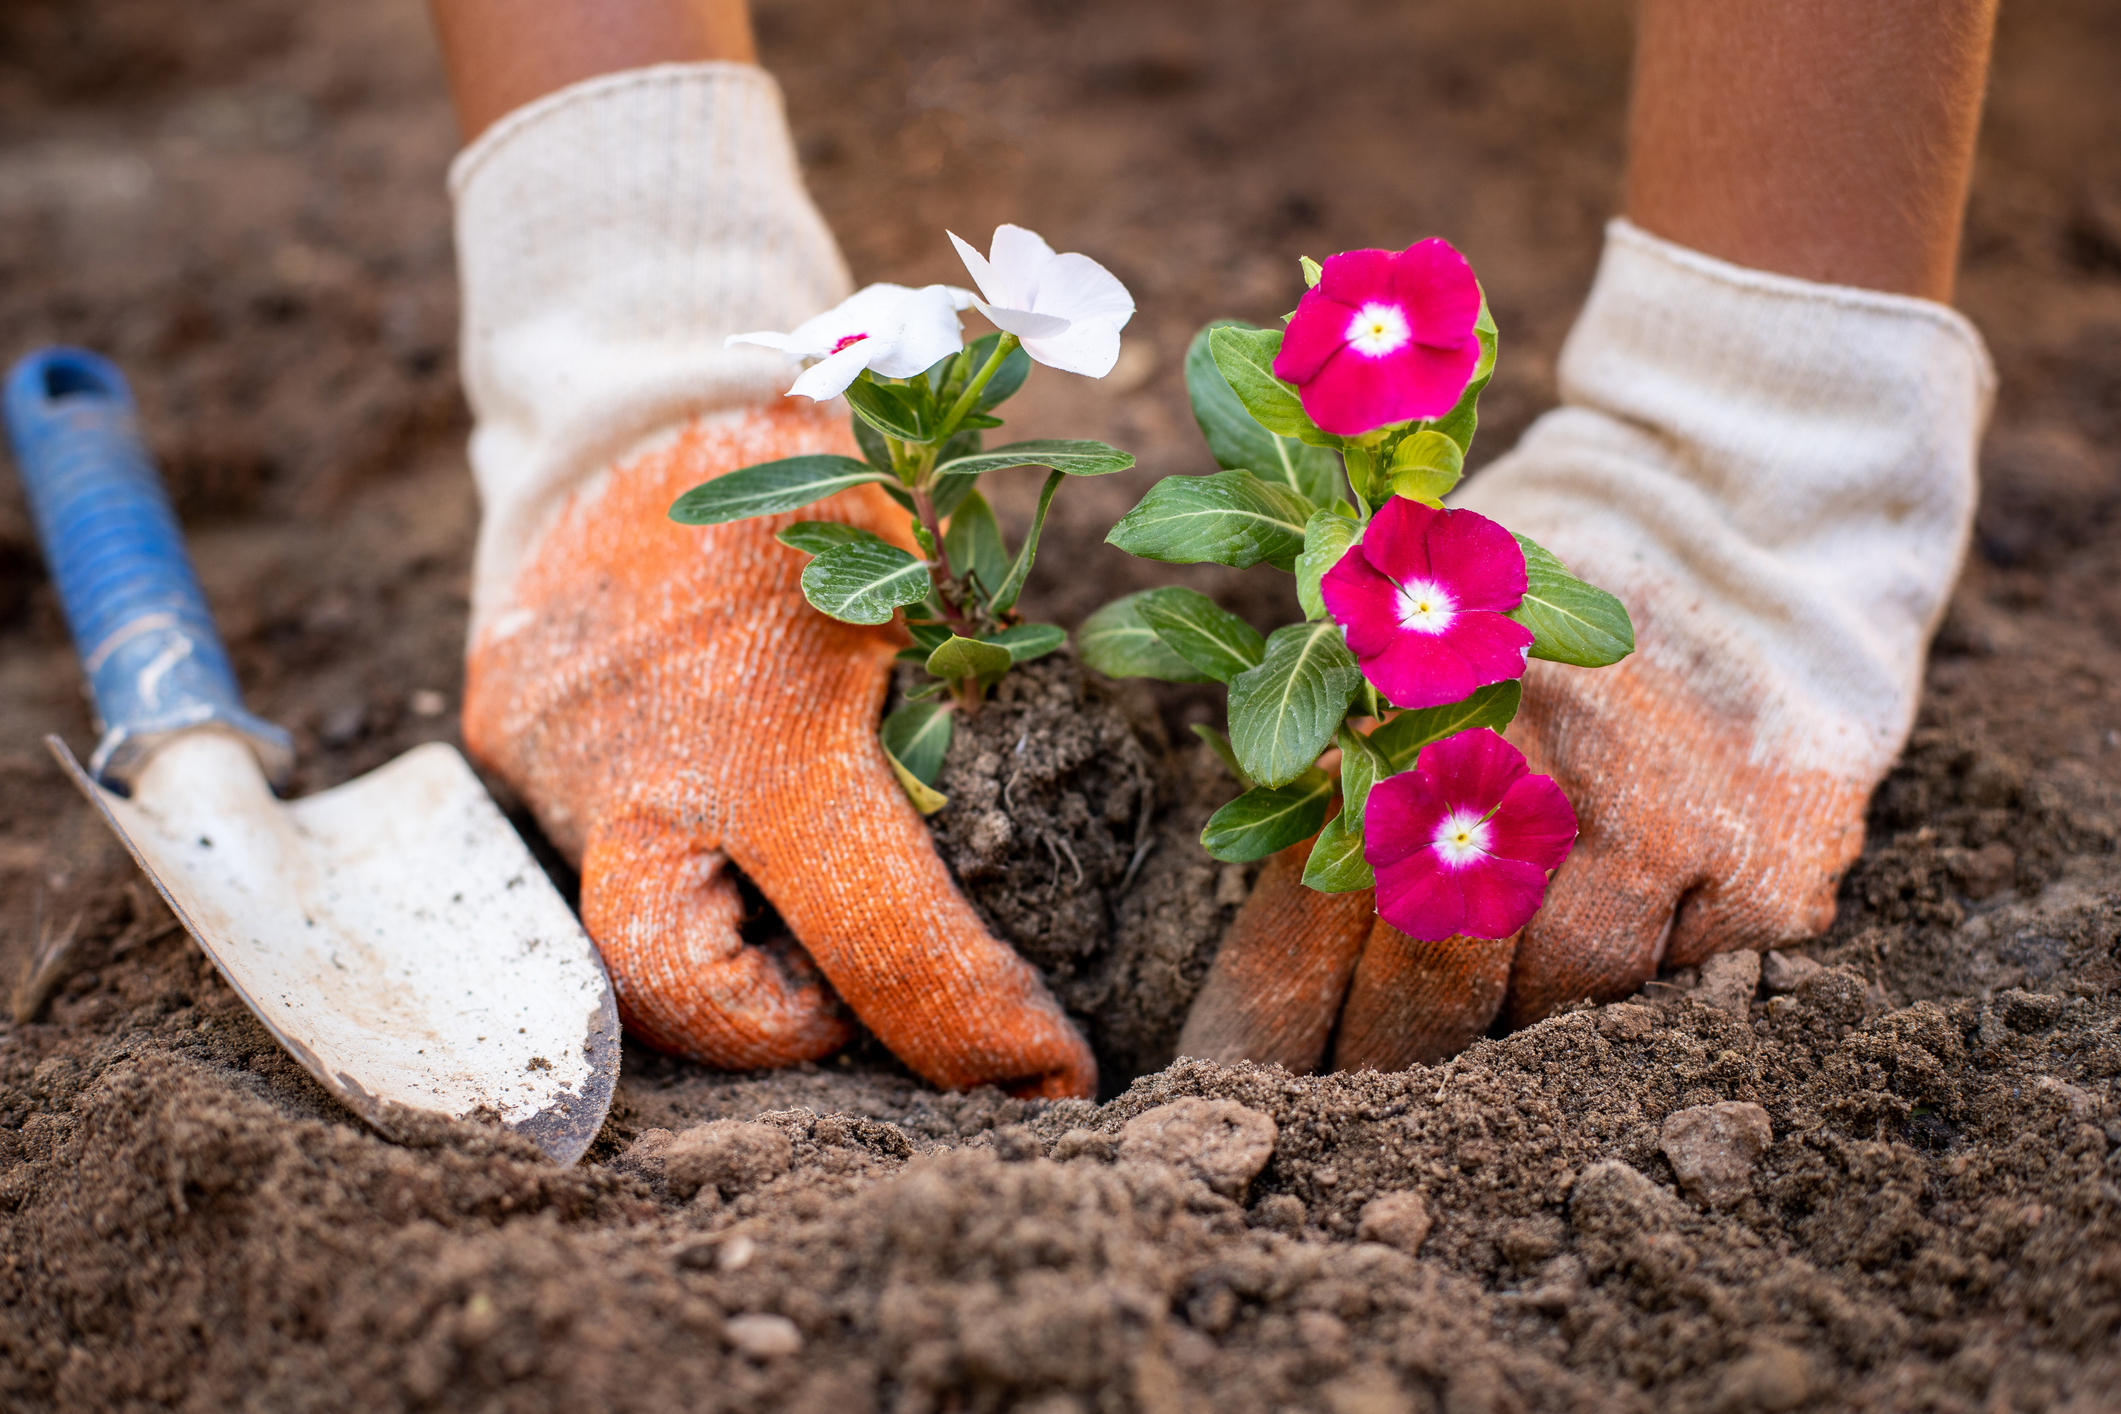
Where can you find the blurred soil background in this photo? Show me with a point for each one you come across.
(243, 203)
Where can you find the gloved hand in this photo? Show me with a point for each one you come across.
(1777, 478)
(661, 695)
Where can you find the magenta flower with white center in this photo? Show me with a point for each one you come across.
(1422, 599)
(1462, 844)
(1383, 338)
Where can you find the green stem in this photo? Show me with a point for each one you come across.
(1003, 347)
(931, 527)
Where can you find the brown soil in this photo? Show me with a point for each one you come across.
(1075, 831)
(242, 203)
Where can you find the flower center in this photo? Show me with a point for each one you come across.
(1377, 329)
(1462, 838)
(1425, 607)
(850, 339)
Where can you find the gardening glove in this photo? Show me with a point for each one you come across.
(1777, 478)
(662, 696)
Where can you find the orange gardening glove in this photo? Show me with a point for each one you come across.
(674, 711)
(661, 695)
(1776, 478)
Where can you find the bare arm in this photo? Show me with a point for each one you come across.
(502, 54)
(1828, 139)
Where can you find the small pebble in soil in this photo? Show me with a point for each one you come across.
(1220, 1142)
(1728, 981)
(1396, 1219)
(1770, 1377)
(1712, 1148)
(730, 1156)
(1782, 972)
(763, 1337)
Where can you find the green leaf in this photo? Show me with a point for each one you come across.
(1076, 458)
(1571, 622)
(1400, 740)
(1285, 711)
(1202, 632)
(1268, 819)
(1313, 271)
(1427, 465)
(1336, 865)
(974, 546)
(1220, 745)
(925, 797)
(1327, 537)
(814, 537)
(1020, 569)
(1362, 766)
(905, 412)
(1246, 358)
(873, 446)
(1028, 641)
(769, 488)
(917, 736)
(1462, 421)
(950, 492)
(969, 658)
(1240, 443)
(1232, 518)
(1117, 642)
(863, 582)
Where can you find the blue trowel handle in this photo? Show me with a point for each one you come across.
(139, 620)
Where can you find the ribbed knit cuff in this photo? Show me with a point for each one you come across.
(609, 237)
(1778, 477)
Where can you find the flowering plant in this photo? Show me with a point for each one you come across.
(922, 401)
(1339, 437)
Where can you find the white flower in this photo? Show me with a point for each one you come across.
(890, 329)
(1068, 309)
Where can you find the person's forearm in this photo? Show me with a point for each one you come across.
(1828, 139)
(502, 54)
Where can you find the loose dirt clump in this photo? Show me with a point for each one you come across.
(1074, 829)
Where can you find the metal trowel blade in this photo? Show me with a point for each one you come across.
(393, 933)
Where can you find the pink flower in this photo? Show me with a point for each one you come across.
(1383, 338)
(1463, 843)
(1421, 599)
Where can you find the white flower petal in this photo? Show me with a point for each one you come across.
(764, 338)
(866, 311)
(922, 329)
(829, 377)
(960, 298)
(1021, 256)
(1077, 287)
(983, 274)
(1089, 347)
(1023, 323)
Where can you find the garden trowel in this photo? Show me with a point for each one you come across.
(393, 933)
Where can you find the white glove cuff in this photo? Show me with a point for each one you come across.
(1776, 476)
(609, 236)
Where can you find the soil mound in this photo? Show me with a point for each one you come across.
(1884, 1173)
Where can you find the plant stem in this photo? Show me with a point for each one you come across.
(939, 565)
(1003, 347)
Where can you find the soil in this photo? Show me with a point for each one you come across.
(243, 204)
(1074, 828)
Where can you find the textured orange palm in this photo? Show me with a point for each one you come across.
(671, 708)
